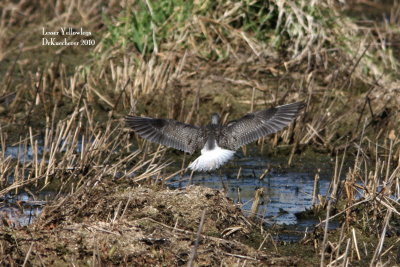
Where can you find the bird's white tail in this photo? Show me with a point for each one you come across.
(211, 159)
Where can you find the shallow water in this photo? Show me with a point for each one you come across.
(21, 209)
(287, 191)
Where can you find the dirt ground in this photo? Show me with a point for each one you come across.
(118, 224)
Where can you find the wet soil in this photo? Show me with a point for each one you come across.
(115, 223)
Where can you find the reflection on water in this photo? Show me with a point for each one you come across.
(24, 154)
(285, 193)
(23, 208)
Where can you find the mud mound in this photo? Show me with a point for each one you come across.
(114, 224)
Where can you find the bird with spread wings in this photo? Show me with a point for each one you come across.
(217, 142)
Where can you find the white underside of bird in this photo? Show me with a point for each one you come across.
(211, 159)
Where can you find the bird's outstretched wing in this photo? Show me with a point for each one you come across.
(168, 132)
(254, 125)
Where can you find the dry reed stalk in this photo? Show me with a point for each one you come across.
(345, 254)
(28, 254)
(341, 240)
(292, 151)
(3, 143)
(197, 241)
(256, 202)
(239, 198)
(6, 166)
(239, 173)
(171, 175)
(265, 173)
(355, 244)
(366, 200)
(335, 183)
(156, 154)
(253, 94)
(116, 212)
(315, 188)
(16, 185)
(324, 241)
(60, 144)
(183, 164)
(378, 250)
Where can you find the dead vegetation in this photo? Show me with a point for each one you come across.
(115, 222)
(61, 107)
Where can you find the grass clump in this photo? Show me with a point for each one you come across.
(147, 24)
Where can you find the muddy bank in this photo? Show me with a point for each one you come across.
(115, 224)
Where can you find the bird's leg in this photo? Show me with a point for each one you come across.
(190, 178)
(222, 182)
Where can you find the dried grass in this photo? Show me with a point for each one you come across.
(65, 115)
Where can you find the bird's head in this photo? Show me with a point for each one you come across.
(215, 118)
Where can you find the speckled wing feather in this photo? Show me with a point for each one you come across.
(168, 132)
(254, 125)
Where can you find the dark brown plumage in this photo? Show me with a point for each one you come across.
(222, 138)
(254, 125)
(168, 132)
